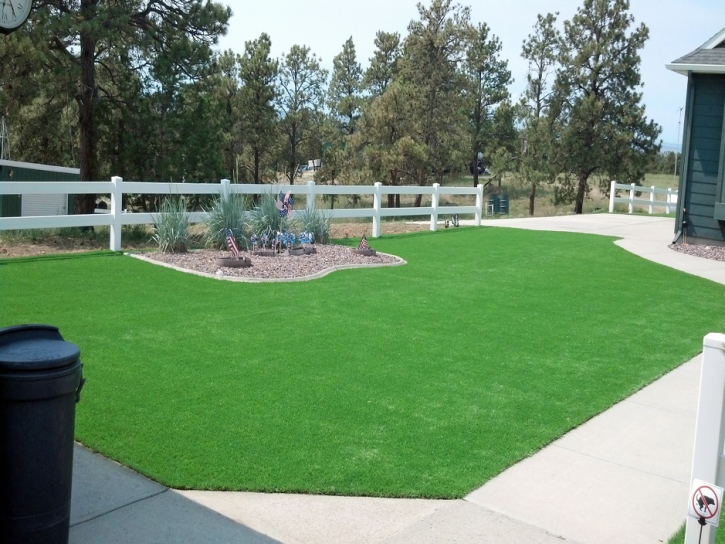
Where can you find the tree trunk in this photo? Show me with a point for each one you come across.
(256, 165)
(397, 201)
(421, 183)
(293, 161)
(532, 196)
(475, 168)
(86, 98)
(580, 192)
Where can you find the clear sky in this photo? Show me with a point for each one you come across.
(676, 27)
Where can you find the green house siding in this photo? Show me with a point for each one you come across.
(704, 175)
(10, 205)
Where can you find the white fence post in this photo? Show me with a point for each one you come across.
(377, 202)
(652, 200)
(709, 429)
(116, 211)
(669, 200)
(434, 198)
(311, 195)
(631, 198)
(479, 204)
(612, 193)
(225, 187)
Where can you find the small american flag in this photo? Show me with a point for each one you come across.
(232, 244)
(363, 243)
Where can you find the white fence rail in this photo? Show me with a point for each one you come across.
(669, 204)
(116, 217)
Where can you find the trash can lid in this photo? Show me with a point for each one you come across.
(35, 347)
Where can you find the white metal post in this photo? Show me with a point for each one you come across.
(669, 200)
(631, 198)
(116, 211)
(311, 195)
(612, 192)
(652, 200)
(377, 201)
(709, 431)
(434, 204)
(479, 204)
(225, 188)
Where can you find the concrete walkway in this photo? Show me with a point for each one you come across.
(621, 477)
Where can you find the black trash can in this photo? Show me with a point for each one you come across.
(40, 383)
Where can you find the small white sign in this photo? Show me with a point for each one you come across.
(705, 502)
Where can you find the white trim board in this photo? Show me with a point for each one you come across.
(696, 68)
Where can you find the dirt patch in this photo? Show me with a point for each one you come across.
(49, 245)
(46, 245)
(356, 230)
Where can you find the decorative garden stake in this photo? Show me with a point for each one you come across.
(234, 261)
(285, 203)
(364, 249)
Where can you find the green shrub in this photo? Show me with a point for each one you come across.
(265, 217)
(171, 231)
(316, 221)
(227, 212)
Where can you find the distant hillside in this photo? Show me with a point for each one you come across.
(666, 146)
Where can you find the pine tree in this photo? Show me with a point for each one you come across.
(90, 41)
(538, 157)
(301, 84)
(432, 53)
(487, 79)
(258, 73)
(384, 63)
(345, 91)
(605, 129)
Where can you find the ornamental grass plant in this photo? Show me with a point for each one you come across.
(171, 230)
(316, 221)
(265, 217)
(227, 212)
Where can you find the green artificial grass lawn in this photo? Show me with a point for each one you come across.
(422, 380)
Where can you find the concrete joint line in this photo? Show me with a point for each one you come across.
(654, 407)
(515, 520)
(619, 464)
(120, 507)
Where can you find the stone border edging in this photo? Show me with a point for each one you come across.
(316, 275)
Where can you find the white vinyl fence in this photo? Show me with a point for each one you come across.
(707, 459)
(669, 203)
(116, 217)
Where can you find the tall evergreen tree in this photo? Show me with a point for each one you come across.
(225, 87)
(539, 160)
(258, 72)
(384, 63)
(432, 52)
(301, 84)
(487, 79)
(388, 138)
(606, 130)
(345, 91)
(80, 40)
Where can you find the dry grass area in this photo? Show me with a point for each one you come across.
(39, 242)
